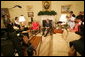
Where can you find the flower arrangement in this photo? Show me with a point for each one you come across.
(64, 26)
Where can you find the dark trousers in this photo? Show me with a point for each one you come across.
(18, 46)
(26, 34)
(48, 31)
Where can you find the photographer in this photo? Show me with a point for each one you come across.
(78, 45)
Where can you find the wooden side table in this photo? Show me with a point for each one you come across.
(57, 31)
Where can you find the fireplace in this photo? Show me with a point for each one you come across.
(44, 17)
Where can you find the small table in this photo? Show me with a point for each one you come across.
(57, 31)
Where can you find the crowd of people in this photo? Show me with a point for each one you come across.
(77, 46)
(75, 23)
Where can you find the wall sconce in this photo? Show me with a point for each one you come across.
(17, 6)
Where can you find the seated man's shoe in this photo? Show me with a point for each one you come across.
(45, 35)
(42, 34)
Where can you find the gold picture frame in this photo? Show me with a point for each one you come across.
(65, 8)
(46, 5)
(30, 14)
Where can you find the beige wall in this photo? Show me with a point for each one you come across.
(36, 7)
(76, 6)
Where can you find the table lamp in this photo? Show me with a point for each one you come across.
(22, 20)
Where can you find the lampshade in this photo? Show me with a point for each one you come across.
(21, 19)
(63, 18)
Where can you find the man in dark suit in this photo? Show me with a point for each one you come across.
(47, 24)
(78, 45)
(81, 16)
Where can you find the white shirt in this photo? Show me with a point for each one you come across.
(72, 18)
(63, 18)
(17, 22)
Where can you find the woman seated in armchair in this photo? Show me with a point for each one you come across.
(35, 27)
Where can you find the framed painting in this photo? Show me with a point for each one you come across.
(65, 8)
(30, 14)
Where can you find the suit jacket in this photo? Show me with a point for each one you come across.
(78, 45)
(45, 24)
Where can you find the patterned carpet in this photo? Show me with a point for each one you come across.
(55, 45)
